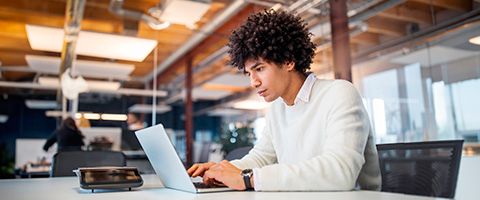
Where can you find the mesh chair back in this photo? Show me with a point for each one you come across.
(64, 162)
(421, 168)
(238, 153)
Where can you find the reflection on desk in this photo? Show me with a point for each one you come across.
(68, 188)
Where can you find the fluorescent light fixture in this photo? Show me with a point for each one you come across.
(41, 104)
(238, 80)
(146, 108)
(203, 94)
(184, 12)
(91, 44)
(225, 112)
(103, 85)
(251, 105)
(92, 116)
(94, 69)
(3, 118)
(475, 40)
(92, 85)
(114, 117)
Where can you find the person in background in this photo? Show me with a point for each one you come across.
(133, 121)
(68, 137)
(317, 135)
(129, 140)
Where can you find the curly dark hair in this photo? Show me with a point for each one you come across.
(275, 36)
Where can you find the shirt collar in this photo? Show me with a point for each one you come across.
(306, 89)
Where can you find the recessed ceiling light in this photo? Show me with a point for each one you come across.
(183, 12)
(92, 85)
(114, 117)
(91, 44)
(86, 68)
(475, 40)
(41, 104)
(251, 105)
(146, 108)
(3, 118)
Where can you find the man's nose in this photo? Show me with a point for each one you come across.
(254, 82)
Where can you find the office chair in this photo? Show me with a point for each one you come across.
(64, 162)
(421, 168)
(238, 153)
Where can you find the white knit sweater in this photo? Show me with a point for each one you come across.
(321, 143)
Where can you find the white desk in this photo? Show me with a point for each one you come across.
(68, 188)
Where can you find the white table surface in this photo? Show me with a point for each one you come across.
(67, 188)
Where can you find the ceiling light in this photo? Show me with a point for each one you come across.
(41, 104)
(3, 118)
(475, 40)
(94, 69)
(225, 112)
(92, 85)
(251, 105)
(92, 116)
(91, 44)
(114, 117)
(203, 94)
(183, 12)
(146, 108)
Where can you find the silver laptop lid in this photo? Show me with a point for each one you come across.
(164, 158)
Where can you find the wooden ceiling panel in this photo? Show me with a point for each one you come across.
(458, 5)
(407, 14)
(366, 38)
(386, 27)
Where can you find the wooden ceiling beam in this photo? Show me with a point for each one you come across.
(404, 13)
(40, 18)
(386, 27)
(366, 38)
(458, 5)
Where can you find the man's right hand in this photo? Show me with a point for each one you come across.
(199, 169)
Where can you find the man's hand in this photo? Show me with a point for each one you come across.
(225, 173)
(199, 169)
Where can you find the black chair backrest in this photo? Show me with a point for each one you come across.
(238, 153)
(421, 168)
(64, 162)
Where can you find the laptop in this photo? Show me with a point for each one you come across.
(167, 164)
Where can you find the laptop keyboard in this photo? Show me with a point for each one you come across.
(203, 185)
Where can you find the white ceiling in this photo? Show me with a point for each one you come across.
(433, 56)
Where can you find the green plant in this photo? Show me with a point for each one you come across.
(237, 135)
(7, 167)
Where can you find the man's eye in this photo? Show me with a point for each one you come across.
(259, 69)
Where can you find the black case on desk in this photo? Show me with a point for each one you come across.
(109, 177)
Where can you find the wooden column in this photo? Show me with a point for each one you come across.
(340, 40)
(189, 111)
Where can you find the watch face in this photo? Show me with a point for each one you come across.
(247, 171)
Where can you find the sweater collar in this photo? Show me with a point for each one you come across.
(306, 89)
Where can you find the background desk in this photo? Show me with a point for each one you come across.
(68, 188)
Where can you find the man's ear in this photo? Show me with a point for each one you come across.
(290, 66)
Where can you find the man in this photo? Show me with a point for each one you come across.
(317, 135)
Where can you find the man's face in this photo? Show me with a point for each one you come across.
(269, 79)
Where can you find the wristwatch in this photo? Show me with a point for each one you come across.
(247, 175)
